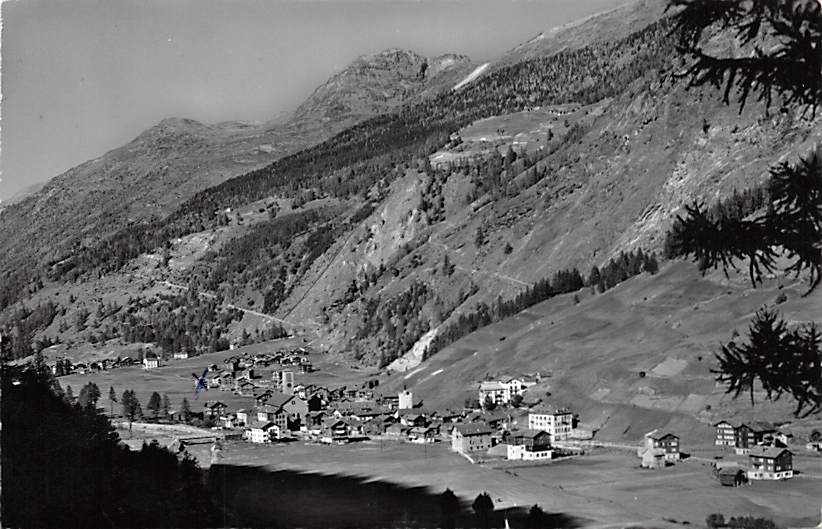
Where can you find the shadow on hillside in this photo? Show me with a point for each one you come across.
(257, 497)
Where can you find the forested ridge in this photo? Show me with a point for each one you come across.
(351, 162)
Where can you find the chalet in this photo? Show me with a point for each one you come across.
(214, 409)
(413, 420)
(355, 428)
(243, 417)
(334, 430)
(517, 386)
(744, 436)
(668, 443)
(469, 438)
(559, 423)
(229, 420)
(769, 462)
(529, 445)
(652, 458)
(265, 433)
(494, 391)
(390, 401)
(423, 434)
(273, 414)
(262, 398)
(150, 361)
(725, 434)
(181, 355)
(244, 388)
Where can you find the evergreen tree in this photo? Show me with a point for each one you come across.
(131, 407)
(449, 507)
(155, 402)
(185, 410)
(112, 399)
(89, 395)
(788, 67)
(166, 405)
(775, 355)
(483, 506)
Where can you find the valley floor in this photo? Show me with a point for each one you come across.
(600, 488)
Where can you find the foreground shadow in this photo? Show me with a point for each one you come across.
(258, 497)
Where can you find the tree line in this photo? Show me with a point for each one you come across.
(564, 281)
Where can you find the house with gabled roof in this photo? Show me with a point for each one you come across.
(214, 409)
(529, 445)
(668, 443)
(471, 437)
(770, 462)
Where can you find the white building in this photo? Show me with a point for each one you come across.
(406, 400)
(287, 382)
(181, 355)
(265, 433)
(522, 452)
(151, 362)
(495, 391)
(558, 423)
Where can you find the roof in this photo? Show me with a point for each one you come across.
(530, 434)
(545, 410)
(770, 452)
(656, 436)
(731, 470)
(492, 385)
(476, 428)
(759, 426)
(278, 399)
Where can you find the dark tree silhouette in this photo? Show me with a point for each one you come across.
(185, 410)
(783, 360)
(112, 399)
(65, 467)
(131, 407)
(449, 507)
(89, 395)
(483, 505)
(781, 42)
(155, 402)
(715, 520)
(536, 518)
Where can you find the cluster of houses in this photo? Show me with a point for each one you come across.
(64, 366)
(766, 447)
(502, 392)
(546, 427)
(312, 413)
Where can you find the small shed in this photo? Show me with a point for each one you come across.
(732, 476)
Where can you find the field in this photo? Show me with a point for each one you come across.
(599, 489)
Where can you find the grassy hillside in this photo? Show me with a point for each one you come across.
(635, 358)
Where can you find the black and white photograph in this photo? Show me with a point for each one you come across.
(425, 264)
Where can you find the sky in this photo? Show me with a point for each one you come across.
(82, 77)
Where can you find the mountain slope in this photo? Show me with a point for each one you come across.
(635, 358)
(170, 162)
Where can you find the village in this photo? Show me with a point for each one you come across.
(503, 423)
